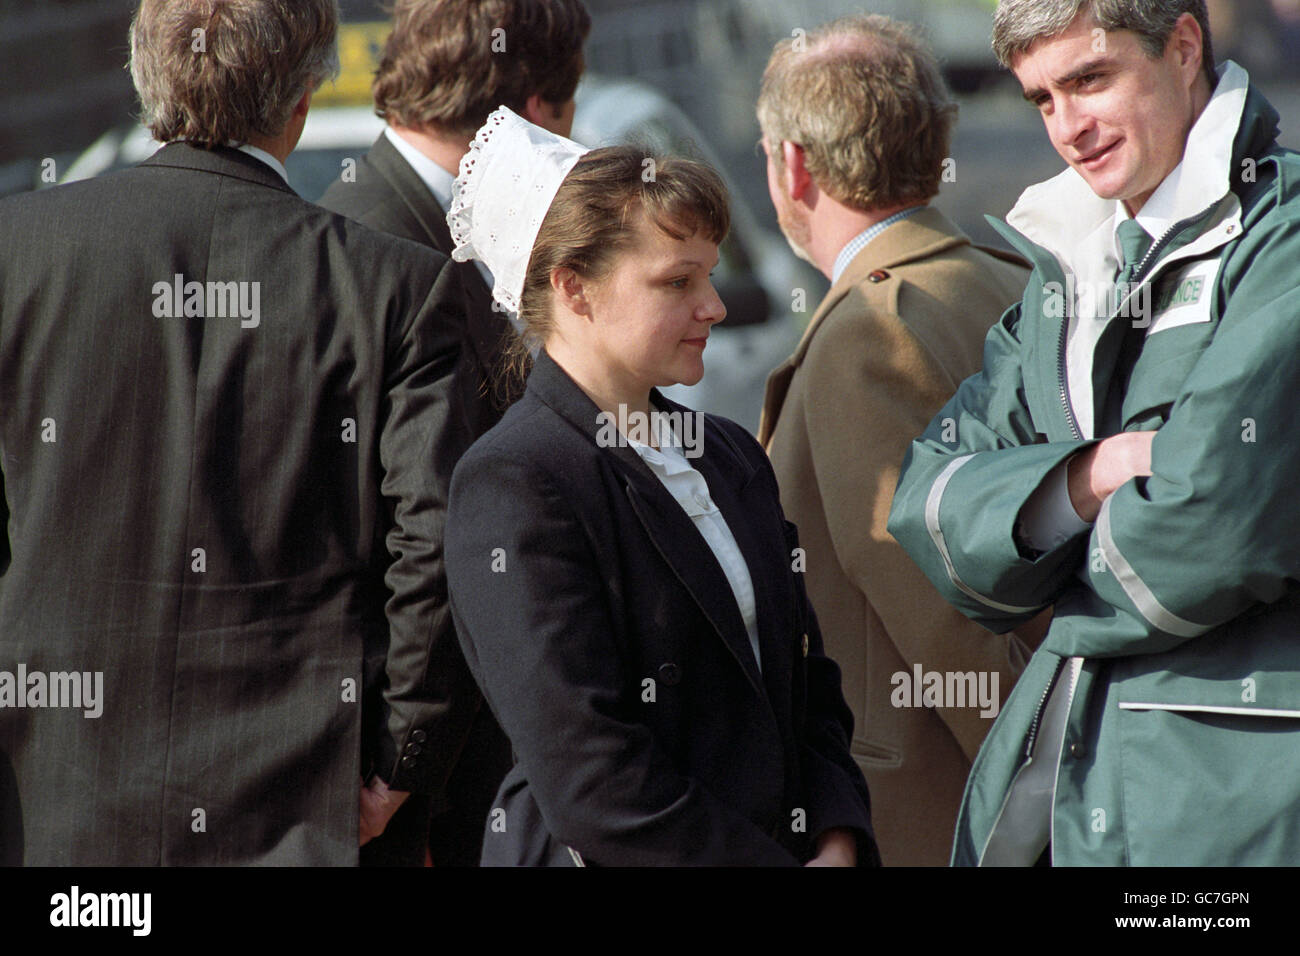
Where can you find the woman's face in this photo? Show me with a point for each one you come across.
(651, 315)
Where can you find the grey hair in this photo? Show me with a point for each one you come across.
(865, 98)
(223, 71)
(1019, 24)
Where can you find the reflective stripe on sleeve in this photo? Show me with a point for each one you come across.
(936, 535)
(1136, 589)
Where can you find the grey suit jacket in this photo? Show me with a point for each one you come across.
(232, 521)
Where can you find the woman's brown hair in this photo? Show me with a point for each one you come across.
(593, 221)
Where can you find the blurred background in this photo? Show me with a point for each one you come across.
(63, 82)
(681, 75)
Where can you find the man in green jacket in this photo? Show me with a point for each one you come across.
(1127, 455)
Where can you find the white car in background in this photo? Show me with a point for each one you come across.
(759, 279)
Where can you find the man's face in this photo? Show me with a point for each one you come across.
(1118, 117)
(790, 215)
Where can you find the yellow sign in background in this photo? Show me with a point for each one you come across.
(360, 46)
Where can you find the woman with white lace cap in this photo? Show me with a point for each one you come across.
(621, 575)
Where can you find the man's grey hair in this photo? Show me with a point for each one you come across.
(223, 71)
(1019, 24)
(865, 98)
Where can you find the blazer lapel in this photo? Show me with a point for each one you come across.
(734, 498)
(671, 530)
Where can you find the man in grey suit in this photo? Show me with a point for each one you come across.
(446, 65)
(227, 421)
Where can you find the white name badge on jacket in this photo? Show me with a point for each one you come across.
(1187, 298)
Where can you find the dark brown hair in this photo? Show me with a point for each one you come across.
(449, 63)
(223, 71)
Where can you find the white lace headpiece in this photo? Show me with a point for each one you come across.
(506, 183)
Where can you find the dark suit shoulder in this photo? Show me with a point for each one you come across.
(380, 267)
(533, 435)
(522, 475)
(47, 210)
(357, 199)
(207, 225)
(372, 200)
(371, 240)
(373, 258)
(739, 442)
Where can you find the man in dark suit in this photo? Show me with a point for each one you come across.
(227, 418)
(446, 65)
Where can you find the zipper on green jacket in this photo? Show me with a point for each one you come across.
(1139, 276)
(1030, 739)
(1032, 736)
(1062, 375)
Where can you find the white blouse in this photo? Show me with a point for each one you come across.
(691, 491)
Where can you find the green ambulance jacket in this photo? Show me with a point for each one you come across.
(1176, 632)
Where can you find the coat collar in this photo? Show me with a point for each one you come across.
(926, 233)
(221, 160)
(729, 476)
(489, 330)
(1067, 219)
(406, 182)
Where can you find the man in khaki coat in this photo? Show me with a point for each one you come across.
(856, 125)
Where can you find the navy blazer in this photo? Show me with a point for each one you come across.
(607, 641)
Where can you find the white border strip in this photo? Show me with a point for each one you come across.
(1141, 595)
(936, 535)
(1211, 709)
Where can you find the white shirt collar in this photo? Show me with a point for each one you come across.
(437, 179)
(1203, 177)
(1205, 174)
(264, 156)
